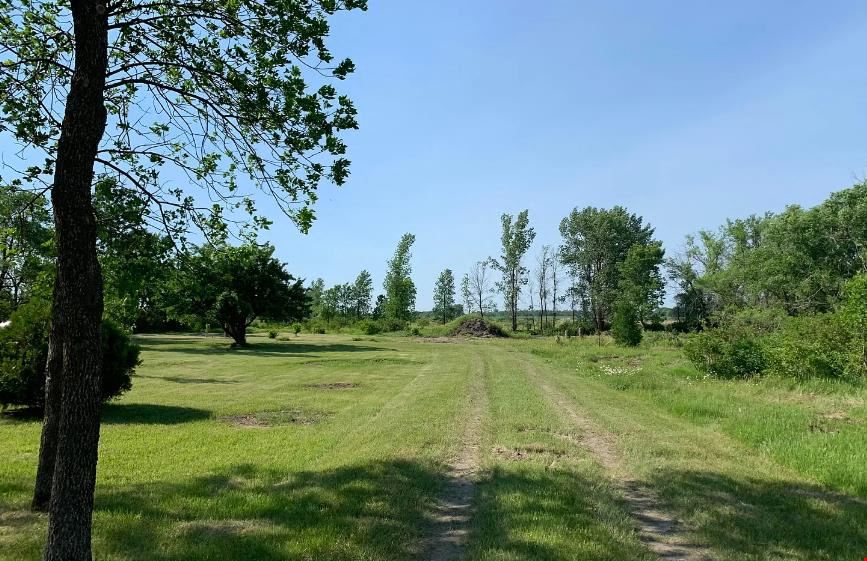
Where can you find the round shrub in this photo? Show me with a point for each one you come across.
(725, 353)
(808, 347)
(24, 351)
(370, 327)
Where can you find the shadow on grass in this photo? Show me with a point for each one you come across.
(187, 379)
(753, 519)
(150, 414)
(256, 348)
(124, 413)
(532, 512)
(375, 510)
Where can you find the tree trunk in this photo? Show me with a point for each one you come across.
(51, 421)
(237, 330)
(78, 299)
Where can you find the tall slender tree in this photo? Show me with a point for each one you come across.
(516, 237)
(478, 289)
(215, 91)
(362, 292)
(444, 296)
(398, 285)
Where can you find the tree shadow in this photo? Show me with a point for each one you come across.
(256, 348)
(757, 519)
(550, 515)
(187, 380)
(150, 414)
(376, 510)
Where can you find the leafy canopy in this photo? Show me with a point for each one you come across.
(234, 285)
(229, 96)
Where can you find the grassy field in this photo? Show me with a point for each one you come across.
(380, 448)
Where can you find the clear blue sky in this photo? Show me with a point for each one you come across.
(684, 112)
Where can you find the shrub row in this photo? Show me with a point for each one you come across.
(751, 342)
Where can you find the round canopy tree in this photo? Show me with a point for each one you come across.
(234, 286)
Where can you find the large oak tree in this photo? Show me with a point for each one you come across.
(230, 97)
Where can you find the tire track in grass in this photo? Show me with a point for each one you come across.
(657, 529)
(452, 516)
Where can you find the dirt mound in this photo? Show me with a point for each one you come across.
(477, 327)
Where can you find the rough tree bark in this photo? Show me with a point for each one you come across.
(78, 299)
(51, 422)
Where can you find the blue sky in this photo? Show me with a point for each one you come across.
(684, 112)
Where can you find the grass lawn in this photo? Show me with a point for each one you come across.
(347, 448)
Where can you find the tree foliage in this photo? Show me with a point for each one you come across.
(24, 353)
(516, 238)
(234, 285)
(399, 288)
(799, 260)
(26, 247)
(444, 296)
(596, 244)
(477, 289)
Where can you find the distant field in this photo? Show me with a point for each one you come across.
(391, 448)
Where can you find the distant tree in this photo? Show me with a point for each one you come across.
(692, 304)
(556, 280)
(26, 246)
(379, 306)
(543, 282)
(444, 296)
(237, 285)
(362, 292)
(517, 236)
(314, 296)
(595, 244)
(135, 259)
(477, 288)
(329, 303)
(641, 280)
(466, 292)
(346, 300)
(399, 288)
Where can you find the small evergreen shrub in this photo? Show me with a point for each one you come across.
(272, 334)
(24, 352)
(296, 328)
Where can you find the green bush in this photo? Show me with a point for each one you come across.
(735, 347)
(296, 328)
(24, 351)
(369, 327)
(625, 326)
(390, 325)
(809, 347)
(272, 334)
(853, 316)
(726, 353)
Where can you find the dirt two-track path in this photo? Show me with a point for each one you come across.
(451, 520)
(657, 529)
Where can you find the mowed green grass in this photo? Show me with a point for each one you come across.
(334, 447)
